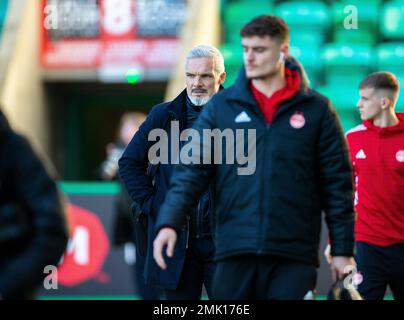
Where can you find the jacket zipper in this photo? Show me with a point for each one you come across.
(212, 216)
(186, 246)
(380, 153)
(262, 214)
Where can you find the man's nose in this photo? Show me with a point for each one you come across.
(197, 81)
(249, 55)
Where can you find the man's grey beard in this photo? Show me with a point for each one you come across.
(200, 101)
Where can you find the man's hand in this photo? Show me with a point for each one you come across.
(327, 254)
(341, 266)
(165, 237)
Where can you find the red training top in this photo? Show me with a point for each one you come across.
(378, 161)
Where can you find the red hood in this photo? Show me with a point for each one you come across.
(293, 81)
(399, 127)
(292, 86)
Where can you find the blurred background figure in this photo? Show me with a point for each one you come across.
(123, 233)
(33, 232)
(128, 126)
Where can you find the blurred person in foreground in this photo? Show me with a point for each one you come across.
(33, 230)
(147, 180)
(124, 228)
(268, 221)
(377, 152)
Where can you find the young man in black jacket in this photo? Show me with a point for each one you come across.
(147, 179)
(33, 230)
(268, 219)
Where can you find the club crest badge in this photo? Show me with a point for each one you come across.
(297, 120)
(400, 156)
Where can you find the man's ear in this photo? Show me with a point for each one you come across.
(385, 101)
(222, 78)
(285, 50)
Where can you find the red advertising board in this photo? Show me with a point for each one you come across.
(102, 33)
(87, 249)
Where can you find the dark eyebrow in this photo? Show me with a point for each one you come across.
(255, 48)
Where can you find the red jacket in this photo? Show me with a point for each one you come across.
(378, 161)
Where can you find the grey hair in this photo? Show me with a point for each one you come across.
(206, 51)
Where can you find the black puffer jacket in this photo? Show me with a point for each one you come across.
(33, 231)
(299, 173)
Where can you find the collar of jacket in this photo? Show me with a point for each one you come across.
(241, 91)
(398, 128)
(177, 108)
(4, 125)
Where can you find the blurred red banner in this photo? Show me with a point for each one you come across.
(102, 33)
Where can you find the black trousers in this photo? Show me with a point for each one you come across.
(145, 291)
(263, 277)
(198, 270)
(379, 267)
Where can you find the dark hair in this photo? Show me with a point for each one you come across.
(266, 25)
(380, 80)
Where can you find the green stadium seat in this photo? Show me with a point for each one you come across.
(392, 20)
(344, 96)
(347, 64)
(310, 58)
(344, 99)
(239, 13)
(308, 24)
(368, 16)
(232, 54)
(308, 21)
(390, 57)
(231, 77)
(349, 118)
(233, 59)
